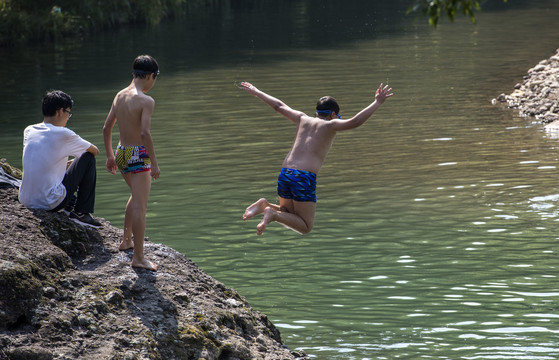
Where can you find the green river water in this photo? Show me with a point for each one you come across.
(436, 228)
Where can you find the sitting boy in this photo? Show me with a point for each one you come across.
(49, 179)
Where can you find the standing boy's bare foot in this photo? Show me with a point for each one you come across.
(144, 264)
(268, 218)
(126, 244)
(255, 209)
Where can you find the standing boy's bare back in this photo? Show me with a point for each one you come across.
(129, 104)
(132, 110)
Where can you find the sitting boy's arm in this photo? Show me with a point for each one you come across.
(93, 150)
(381, 95)
(274, 103)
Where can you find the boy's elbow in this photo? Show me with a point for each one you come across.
(94, 150)
(107, 132)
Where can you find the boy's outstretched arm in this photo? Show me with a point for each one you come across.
(274, 103)
(381, 95)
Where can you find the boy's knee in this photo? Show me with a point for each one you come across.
(88, 157)
(139, 206)
(306, 231)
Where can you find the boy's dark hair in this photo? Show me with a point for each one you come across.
(55, 100)
(145, 65)
(326, 103)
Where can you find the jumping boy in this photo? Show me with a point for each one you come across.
(135, 154)
(297, 180)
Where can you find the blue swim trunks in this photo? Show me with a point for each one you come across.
(298, 185)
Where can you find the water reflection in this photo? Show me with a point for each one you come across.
(435, 231)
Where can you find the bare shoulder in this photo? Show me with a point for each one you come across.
(144, 99)
(315, 121)
(122, 96)
(133, 98)
(315, 127)
(340, 125)
(149, 99)
(321, 123)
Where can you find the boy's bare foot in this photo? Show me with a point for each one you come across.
(144, 264)
(126, 244)
(268, 218)
(255, 209)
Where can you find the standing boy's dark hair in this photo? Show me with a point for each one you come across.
(327, 103)
(55, 100)
(145, 65)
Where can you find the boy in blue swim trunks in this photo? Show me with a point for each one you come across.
(135, 154)
(297, 179)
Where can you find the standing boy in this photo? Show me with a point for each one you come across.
(49, 179)
(135, 154)
(297, 179)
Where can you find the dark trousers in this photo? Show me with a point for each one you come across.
(81, 176)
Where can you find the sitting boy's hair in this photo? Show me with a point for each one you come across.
(55, 100)
(145, 65)
(326, 103)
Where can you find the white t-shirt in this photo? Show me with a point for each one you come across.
(46, 148)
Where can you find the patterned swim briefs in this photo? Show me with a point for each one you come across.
(132, 159)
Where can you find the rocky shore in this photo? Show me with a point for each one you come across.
(538, 94)
(66, 292)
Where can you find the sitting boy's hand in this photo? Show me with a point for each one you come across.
(383, 93)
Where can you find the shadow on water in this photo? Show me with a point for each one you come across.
(218, 34)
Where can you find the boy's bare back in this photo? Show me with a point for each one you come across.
(132, 108)
(312, 142)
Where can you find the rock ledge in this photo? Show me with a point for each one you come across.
(66, 292)
(538, 94)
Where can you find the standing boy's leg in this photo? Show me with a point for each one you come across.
(140, 185)
(126, 242)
